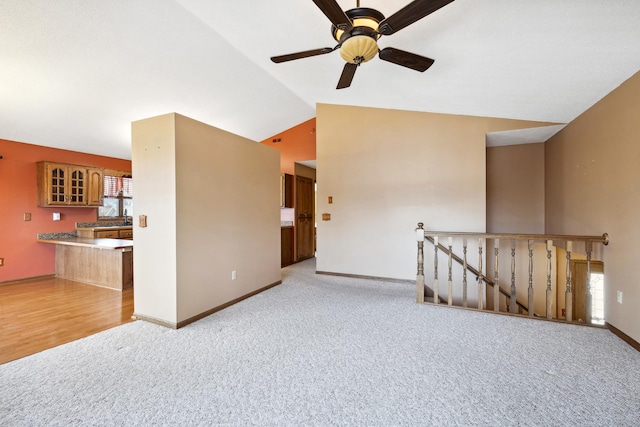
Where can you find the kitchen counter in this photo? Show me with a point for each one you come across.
(102, 262)
(91, 243)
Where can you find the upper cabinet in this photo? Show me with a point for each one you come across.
(95, 187)
(286, 190)
(61, 184)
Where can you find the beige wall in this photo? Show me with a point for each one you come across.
(303, 170)
(515, 189)
(387, 170)
(592, 187)
(213, 217)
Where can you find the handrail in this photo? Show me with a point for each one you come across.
(475, 271)
(604, 239)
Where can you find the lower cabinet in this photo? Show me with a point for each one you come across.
(112, 233)
(286, 246)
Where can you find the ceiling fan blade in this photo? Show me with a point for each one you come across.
(406, 59)
(409, 14)
(300, 55)
(348, 72)
(334, 12)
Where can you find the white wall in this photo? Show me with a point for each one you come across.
(212, 202)
(154, 256)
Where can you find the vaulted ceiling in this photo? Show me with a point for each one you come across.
(74, 74)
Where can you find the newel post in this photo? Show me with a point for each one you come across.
(568, 296)
(420, 274)
(549, 271)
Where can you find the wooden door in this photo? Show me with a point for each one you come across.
(305, 224)
(579, 286)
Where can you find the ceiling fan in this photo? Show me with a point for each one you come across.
(358, 30)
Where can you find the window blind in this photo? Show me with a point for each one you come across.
(115, 186)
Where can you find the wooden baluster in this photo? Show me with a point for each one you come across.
(464, 272)
(513, 308)
(530, 301)
(568, 297)
(549, 292)
(450, 287)
(420, 274)
(588, 309)
(435, 270)
(496, 286)
(480, 279)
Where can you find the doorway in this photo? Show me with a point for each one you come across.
(579, 284)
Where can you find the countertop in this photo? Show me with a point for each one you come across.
(91, 243)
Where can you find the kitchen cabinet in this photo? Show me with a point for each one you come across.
(125, 232)
(286, 190)
(95, 187)
(61, 184)
(286, 246)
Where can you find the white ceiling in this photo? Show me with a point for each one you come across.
(75, 73)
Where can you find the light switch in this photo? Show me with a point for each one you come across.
(326, 217)
(330, 199)
(27, 216)
(56, 216)
(142, 221)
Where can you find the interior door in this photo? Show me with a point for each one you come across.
(305, 224)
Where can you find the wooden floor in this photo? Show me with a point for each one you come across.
(42, 313)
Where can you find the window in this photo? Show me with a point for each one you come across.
(118, 198)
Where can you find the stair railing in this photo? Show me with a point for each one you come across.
(513, 305)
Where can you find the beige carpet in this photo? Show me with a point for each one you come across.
(322, 350)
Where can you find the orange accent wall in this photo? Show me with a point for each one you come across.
(23, 256)
(295, 145)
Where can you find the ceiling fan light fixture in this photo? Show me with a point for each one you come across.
(359, 49)
(357, 32)
(361, 17)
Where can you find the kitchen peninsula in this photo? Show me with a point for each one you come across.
(103, 262)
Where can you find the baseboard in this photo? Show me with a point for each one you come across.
(203, 314)
(358, 276)
(225, 305)
(150, 319)
(27, 279)
(624, 337)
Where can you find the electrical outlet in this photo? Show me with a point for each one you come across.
(234, 276)
(619, 297)
(1, 262)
